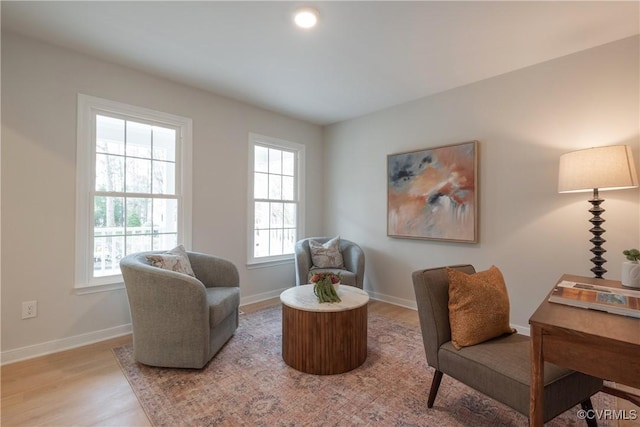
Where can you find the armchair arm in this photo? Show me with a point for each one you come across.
(303, 262)
(214, 271)
(353, 257)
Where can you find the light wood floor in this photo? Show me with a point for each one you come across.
(85, 386)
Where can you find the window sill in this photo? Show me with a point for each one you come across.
(262, 264)
(92, 289)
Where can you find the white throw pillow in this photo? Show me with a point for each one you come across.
(175, 260)
(326, 255)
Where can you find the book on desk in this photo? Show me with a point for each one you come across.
(624, 302)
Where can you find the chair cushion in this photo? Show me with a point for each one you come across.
(326, 255)
(501, 368)
(175, 260)
(222, 302)
(478, 306)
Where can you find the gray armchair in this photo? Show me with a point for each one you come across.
(353, 257)
(181, 321)
(499, 368)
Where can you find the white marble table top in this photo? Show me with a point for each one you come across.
(303, 298)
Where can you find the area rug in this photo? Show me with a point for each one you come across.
(248, 384)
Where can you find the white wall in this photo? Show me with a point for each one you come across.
(524, 121)
(39, 89)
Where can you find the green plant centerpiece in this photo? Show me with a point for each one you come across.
(632, 255)
(631, 269)
(323, 286)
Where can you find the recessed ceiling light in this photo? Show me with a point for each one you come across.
(306, 17)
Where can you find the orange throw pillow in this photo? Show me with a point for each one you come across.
(478, 306)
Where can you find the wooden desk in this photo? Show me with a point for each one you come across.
(600, 344)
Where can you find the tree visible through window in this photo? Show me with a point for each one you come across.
(135, 200)
(133, 186)
(276, 169)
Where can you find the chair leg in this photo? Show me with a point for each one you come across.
(588, 406)
(435, 385)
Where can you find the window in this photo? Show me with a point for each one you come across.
(276, 169)
(133, 186)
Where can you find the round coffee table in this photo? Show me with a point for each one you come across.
(327, 338)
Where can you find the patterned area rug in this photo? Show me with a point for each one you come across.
(248, 384)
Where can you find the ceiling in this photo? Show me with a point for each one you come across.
(362, 57)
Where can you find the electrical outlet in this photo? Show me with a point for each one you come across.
(29, 309)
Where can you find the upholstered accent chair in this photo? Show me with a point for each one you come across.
(500, 367)
(181, 321)
(352, 271)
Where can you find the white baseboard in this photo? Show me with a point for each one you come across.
(524, 330)
(261, 297)
(36, 350)
(392, 300)
(373, 295)
(42, 349)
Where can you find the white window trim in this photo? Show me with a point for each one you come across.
(255, 138)
(85, 178)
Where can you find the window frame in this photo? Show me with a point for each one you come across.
(88, 107)
(299, 185)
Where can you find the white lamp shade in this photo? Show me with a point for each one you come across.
(604, 168)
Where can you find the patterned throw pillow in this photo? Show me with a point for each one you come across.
(326, 255)
(478, 306)
(175, 260)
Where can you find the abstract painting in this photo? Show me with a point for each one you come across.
(433, 194)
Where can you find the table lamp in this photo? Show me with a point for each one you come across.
(593, 169)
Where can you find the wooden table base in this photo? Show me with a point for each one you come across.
(325, 342)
